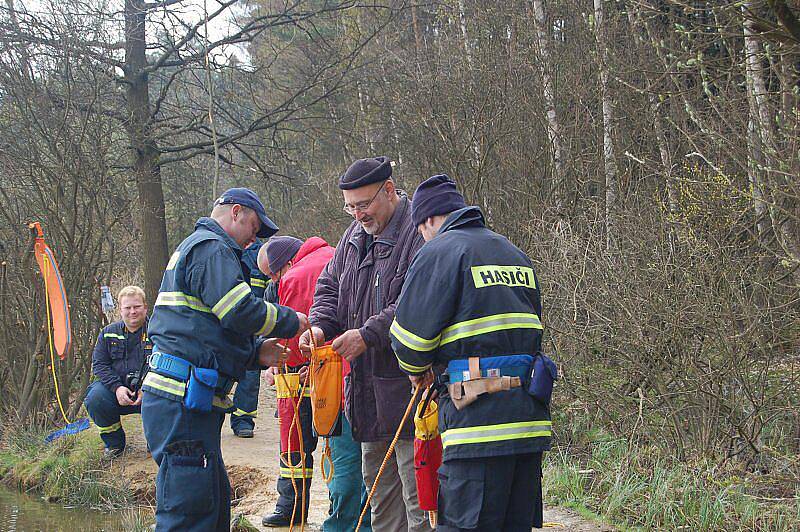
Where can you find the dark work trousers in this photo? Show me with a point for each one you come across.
(105, 411)
(245, 399)
(490, 494)
(286, 490)
(192, 488)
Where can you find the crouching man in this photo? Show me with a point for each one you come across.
(117, 361)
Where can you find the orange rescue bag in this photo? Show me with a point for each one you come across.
(326, 389)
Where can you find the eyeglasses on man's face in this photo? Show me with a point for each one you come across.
(362, 206)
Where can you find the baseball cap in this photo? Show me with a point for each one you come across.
(247, 198)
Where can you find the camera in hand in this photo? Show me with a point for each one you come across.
(133, 380)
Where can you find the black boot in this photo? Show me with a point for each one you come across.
(278, 519)
(243, 433)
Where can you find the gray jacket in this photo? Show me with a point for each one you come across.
(355, 293)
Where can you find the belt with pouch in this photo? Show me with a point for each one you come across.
(475, 376)
(171, 375)
(465, 369)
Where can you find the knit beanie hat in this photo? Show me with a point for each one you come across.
(365, 172)
(436, 195)
(280, 250)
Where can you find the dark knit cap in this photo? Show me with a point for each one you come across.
(365, 172)
(280, 250)
(434, 196)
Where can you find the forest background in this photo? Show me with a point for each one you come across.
(644, 153)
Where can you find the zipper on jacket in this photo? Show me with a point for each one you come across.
(377, 293)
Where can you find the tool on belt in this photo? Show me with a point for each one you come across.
(427, 454)
(473, 377)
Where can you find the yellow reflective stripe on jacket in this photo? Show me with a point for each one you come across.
(412, 368)
(411, 340)
(165, 384)
(173, 260)
(297, 472)
(179, 299)
(502, 432)
(240, 412)
(489, 324)
(113, 335)
(229, 300)
(260, 283)
(269, 320)
(111, 428)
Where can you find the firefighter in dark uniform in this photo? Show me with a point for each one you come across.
(471, 301)
(204, 328)
(117, 362)
(245, 399)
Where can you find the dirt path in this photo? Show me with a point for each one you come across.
(253, 469)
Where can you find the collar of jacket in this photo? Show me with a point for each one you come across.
(309, 246)
(466, 217)
(209, 224)
(392, 230)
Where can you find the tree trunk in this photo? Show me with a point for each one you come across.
(754, 158)
(553, 126)
(473, 126)
(415, 24)
(655, 108)
(610, 164)
(755, 75)
(146, 167)
(362, 105)
(462, 23)
(769, 183)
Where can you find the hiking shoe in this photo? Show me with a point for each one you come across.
(243, 433)
(278, 519)
(111, 453)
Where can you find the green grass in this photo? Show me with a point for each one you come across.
(70, 470)
(627, 486)
(136, 520)
(241, 524)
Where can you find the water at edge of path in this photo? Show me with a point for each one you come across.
(24, 513)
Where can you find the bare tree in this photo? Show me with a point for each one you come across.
(543, 37)
(609, 156)
(170, 63)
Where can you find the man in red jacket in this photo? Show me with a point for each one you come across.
(294, 266)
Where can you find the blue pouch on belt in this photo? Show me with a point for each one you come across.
(543, 374)
(200, 391)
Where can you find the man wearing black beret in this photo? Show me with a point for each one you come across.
(354, 305)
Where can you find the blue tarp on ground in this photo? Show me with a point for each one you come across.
(73, 428)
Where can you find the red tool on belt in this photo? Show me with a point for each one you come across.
(427, 454)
